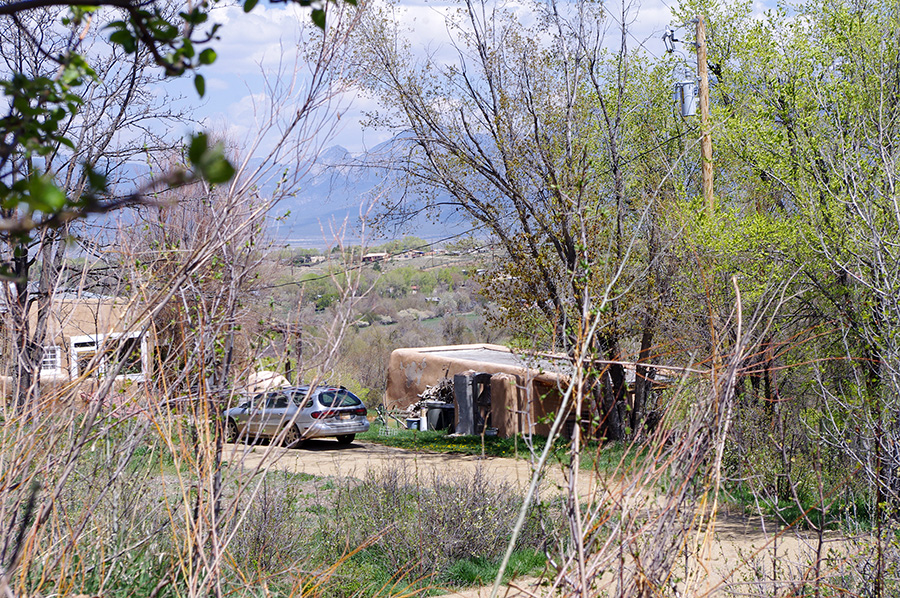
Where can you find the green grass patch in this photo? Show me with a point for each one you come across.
(370, 572)
(481, 572)
(606, 458)
(806, 515)
(155, 458)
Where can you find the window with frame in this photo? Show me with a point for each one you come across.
(127, 350)
(121, 354)
(277, 401)
(52, 359)
(339, 398)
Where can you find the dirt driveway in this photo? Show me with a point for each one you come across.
(741, 551)
(327, 458)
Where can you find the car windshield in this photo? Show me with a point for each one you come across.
(338, 398)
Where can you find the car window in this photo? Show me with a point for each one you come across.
(277, 401)
(338, 398)
(299, 395)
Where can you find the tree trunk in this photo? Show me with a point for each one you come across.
(643, 378)
(26, 373)
(612, 420)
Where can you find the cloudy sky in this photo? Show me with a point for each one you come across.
(266, 41)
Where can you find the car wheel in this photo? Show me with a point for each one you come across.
(292, 437)
(346, 438)
(231, 431)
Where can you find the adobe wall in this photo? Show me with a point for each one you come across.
(87, 317)
(63, 391)
(520, 398)
(410, 371)
(79, 317)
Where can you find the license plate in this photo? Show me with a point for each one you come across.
(346, 416)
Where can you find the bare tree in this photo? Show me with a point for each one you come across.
(204, 279)
(525, 134)
(117, 121)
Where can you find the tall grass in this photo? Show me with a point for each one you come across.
(130, 510)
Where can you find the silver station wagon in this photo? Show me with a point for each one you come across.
(296, 414)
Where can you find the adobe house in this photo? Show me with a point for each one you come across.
(81, 325)
(375, 257)
(520, 392)
(516, 392)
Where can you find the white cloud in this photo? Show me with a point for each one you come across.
(258, 38)
(267, 40)
(216, 84)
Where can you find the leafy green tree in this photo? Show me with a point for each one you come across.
(818, 93)
(807, 114)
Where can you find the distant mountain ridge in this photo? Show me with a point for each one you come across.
(342, 191)
(338, 198)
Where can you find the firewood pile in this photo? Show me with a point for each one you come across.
(441, 392)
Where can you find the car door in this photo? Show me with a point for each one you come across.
(255, 416)
(241, 415)
(302, 402)
(274, 413)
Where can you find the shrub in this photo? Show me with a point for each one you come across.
(272, 535)
(429, 525)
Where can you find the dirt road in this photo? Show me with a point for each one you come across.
(742, 549)
(327, 458)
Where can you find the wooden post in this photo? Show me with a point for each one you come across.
(464, 402)
(705, 139)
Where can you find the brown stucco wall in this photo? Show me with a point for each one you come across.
(521, 398)
(410, 371)
(72, 317)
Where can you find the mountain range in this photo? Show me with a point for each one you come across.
(358, 198)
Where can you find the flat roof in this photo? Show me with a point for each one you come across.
(500, 356)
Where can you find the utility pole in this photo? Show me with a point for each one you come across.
(705, 139)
